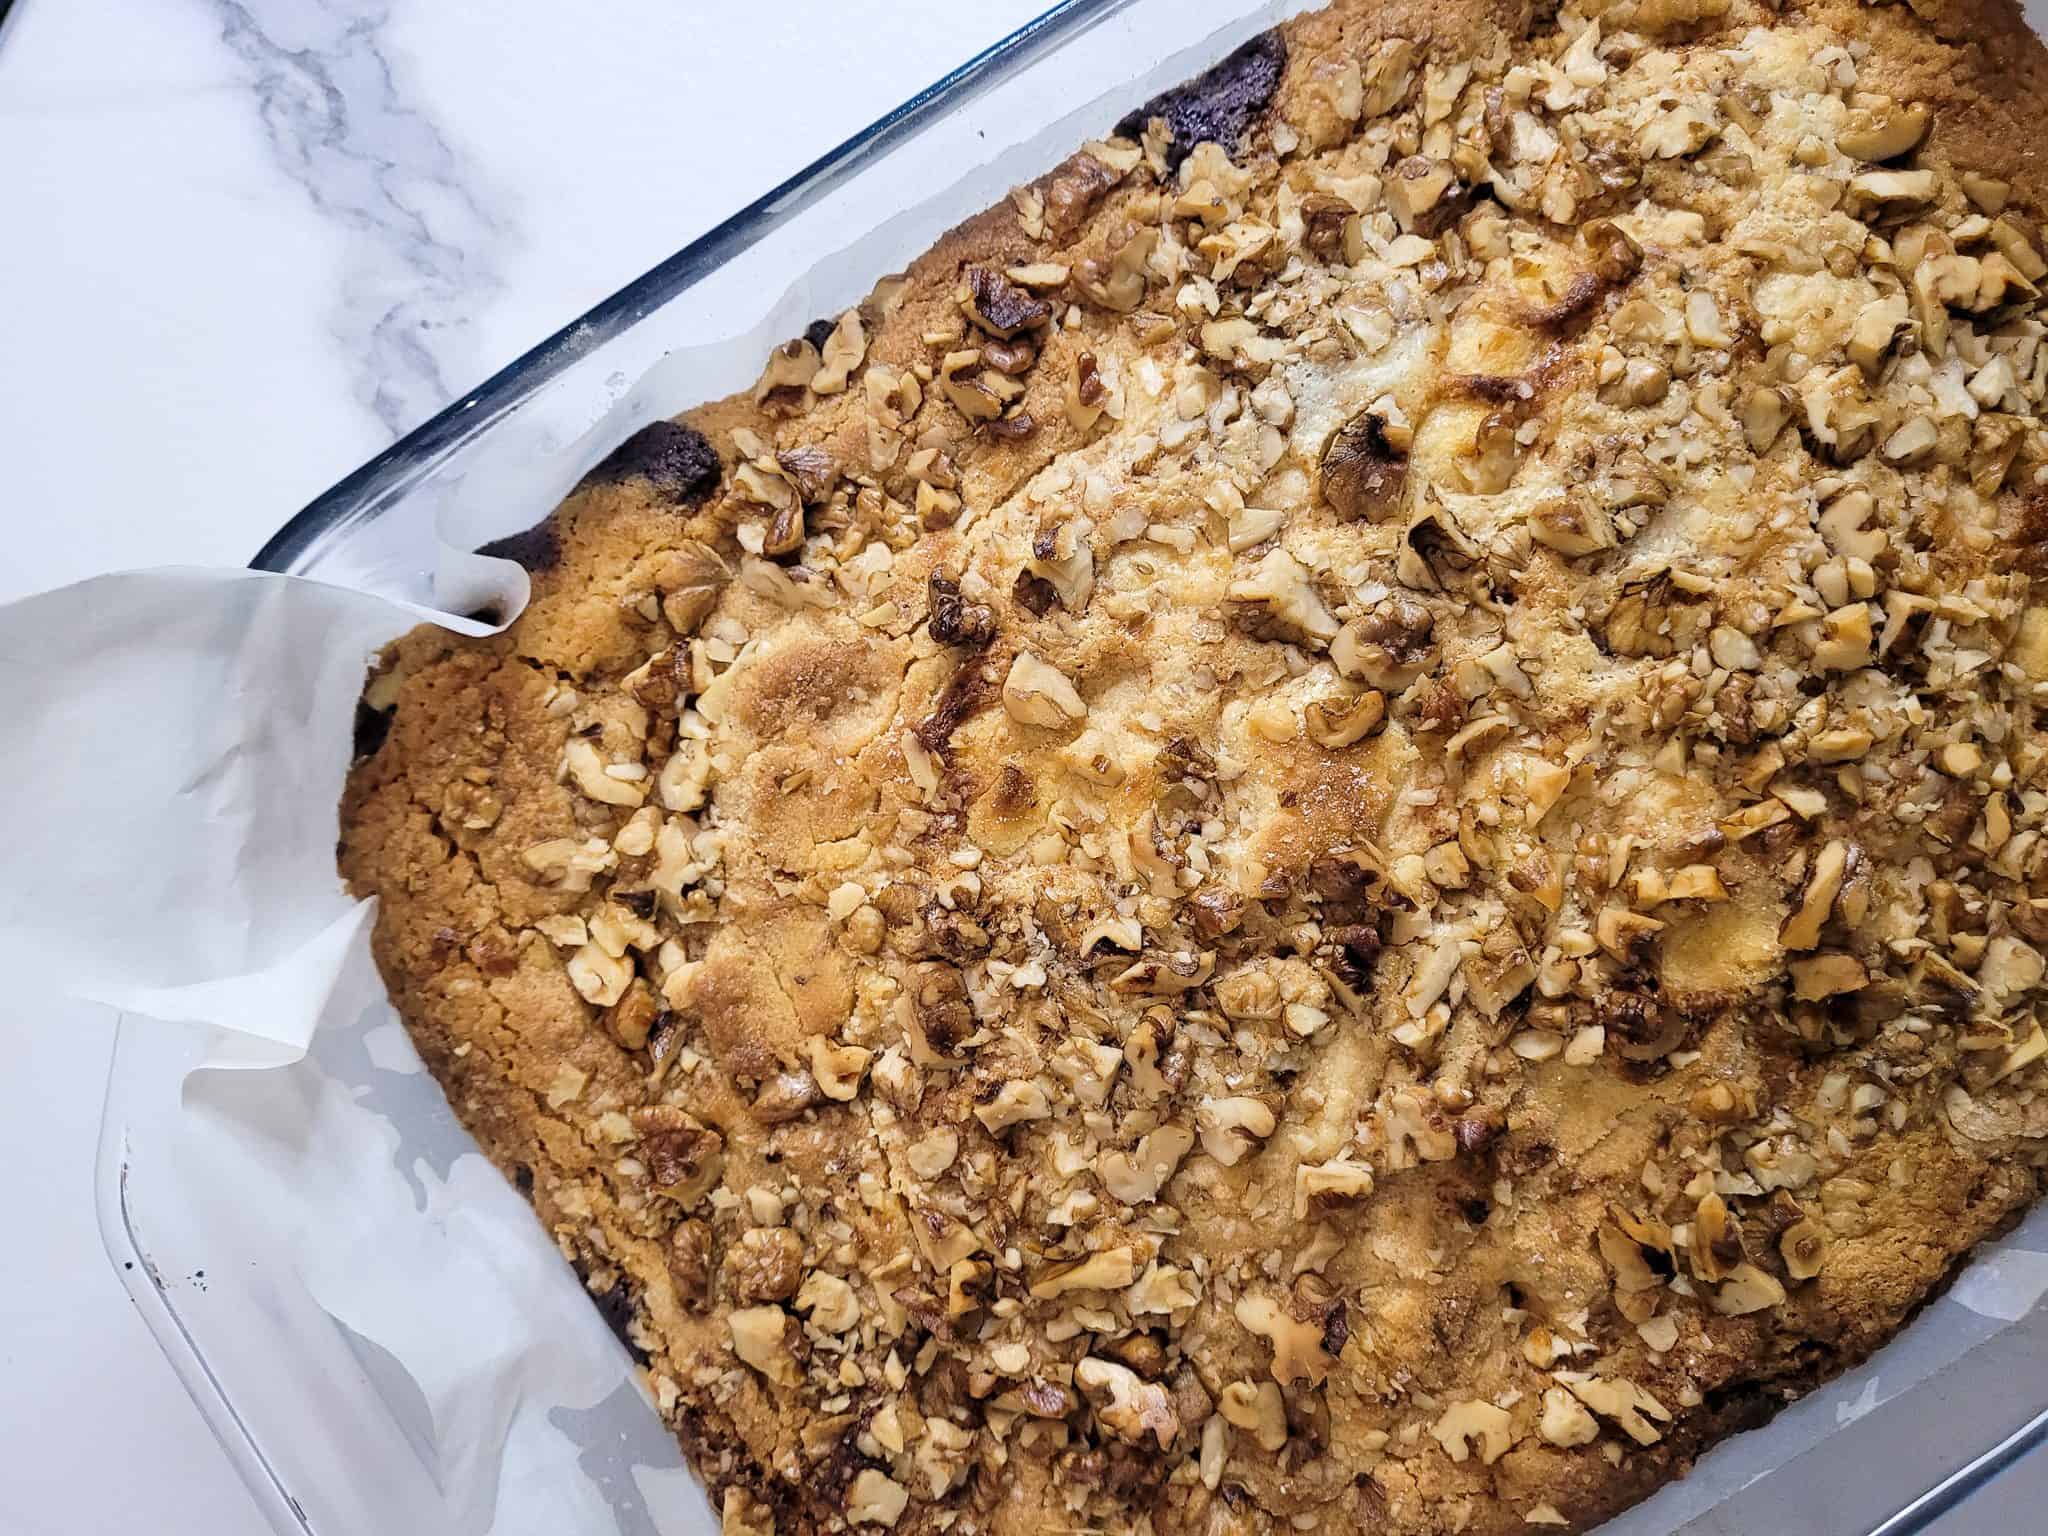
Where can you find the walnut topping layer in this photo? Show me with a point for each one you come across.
(1336, 829)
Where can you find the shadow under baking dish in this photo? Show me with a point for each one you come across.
(217, 1244)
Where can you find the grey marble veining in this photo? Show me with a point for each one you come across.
(418, 236)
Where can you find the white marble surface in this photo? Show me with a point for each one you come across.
(247, 243)
(253, 240)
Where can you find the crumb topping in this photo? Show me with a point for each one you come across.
(1343, 826)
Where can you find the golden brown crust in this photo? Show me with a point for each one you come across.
(1340, 830)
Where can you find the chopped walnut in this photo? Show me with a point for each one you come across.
(787, 378)
(1233, 1128)
(840, 355)
(1118, 283)
(1882, 129)
(1110, 1270)
(954, 620)
(631, 1019)
(874, 1498)
(766, 1264)
(1258, 1408)
(1419, 194)
(1340, 726)
(1635, 1410)
(1085, 395)
(1016, 1102)
(600, 977)
(1297, 1346)
(684, 1158)
(1001, 308)
(1332, 228)
(785, 1097)
(838, 1069)
(1747, 1289)
(761, 1337)
(829, 1302)
(1803, 1246)
(1462, 1425)
(1891, 192)
(1062, 558)
(1137, 1176)
(1365, 470)
(1324, 1185)
(1280, 584)
(597, 778)
(1132, 1408)
(1073, 189)
(1565, 1422)
(1390, 646)
(1803, 928)
(931, 1155)
(1039, 694)
(1823, 976)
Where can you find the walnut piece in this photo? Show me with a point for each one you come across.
(1297, 1346)
(1109, 1270)
(684, 1157)
(1324, 1185)
(1802, 928)
(1258, 1408)
(601, 978)
(1280, 584)
(1803, 1246)
(829, 1302)
(1622, 1401)
(1137, 1176)
(1365, 470)
(760, 1337)
(1879, 128)
(1747, 1289)
(594, 776)
(1000, 307)
(1037, 693)
(1462, 1424)
(1565, 1422)
(874, 1498)
(1016, 1102)
(1233, 1128)
(838, 1069)
(1130, 1406)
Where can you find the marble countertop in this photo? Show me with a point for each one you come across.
(254, 240)
(249, 243)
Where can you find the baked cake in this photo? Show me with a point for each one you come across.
(1337, 827)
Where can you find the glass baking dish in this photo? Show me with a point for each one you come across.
(196, 1197)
